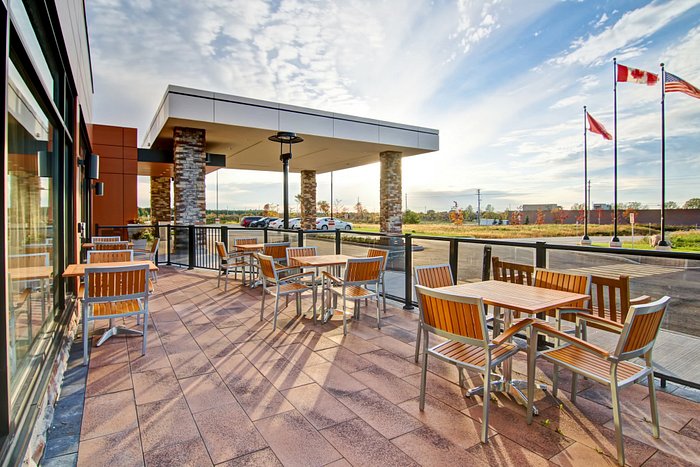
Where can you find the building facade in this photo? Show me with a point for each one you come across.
(48, 93)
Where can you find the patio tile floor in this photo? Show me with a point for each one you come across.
(219, 387)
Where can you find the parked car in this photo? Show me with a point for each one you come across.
(263, 222)
(327, 223)
(246, 220)
(294, 223)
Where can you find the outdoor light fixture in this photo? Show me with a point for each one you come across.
(289, 138)
(99, 188)
(93, 167)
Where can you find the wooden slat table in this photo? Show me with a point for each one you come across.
(250, 248)
(31, 273)
(514, 297)
(90, 246)
(78, 270)
(328, 261)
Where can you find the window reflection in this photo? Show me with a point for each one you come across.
(30, 233)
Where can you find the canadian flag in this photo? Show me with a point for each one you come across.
(634, 75)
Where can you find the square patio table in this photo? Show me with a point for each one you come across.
(514, 297)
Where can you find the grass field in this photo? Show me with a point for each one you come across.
(510, 231)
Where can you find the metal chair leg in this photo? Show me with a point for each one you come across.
(487, 399)
(417, 343)
(423, 373)
(277, 306)
(555, 379)
(145, 333)
(652, 399)
(379, 317)
(85, 335)
(617, 416)
(262, 305)
(531, 362)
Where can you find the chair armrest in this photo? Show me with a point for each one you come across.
(330, 276)
(642, 299)
(612, 325)
(575, 341)
(511, 331)
(297, 276)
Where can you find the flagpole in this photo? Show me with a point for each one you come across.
(615, 242)
(663, 244)
(585, 240)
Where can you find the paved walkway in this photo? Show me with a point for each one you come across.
(218, 386)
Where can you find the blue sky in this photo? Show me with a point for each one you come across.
(503, 81)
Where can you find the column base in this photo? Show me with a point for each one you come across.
(585, 241)
(615, 243)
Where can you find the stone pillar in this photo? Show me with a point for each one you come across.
(160, 199)
(308, 199)
(390, 192)
(189, 159)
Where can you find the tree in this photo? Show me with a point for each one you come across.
(581, 217)
(469, 213)
(540, 217)
(339, 208)
(299, 199)
(671, 205)
(410, 217)
(270, 210)
(359, 211)
(559, 216)
(577, 207)
(692, 203)
(635, 205)
(324, 207)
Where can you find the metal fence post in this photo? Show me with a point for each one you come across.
(224, 236)
(156, 235)
(300, 238)
(168, 243)
(408, 264)
(337, 241)
(540, 254)
(97, 230)
(265, 235)
(191, 247)
(486, 267)
(454, 258)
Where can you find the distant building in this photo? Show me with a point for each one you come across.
(602, 206)
(540, 207)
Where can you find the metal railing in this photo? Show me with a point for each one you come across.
(652, 272)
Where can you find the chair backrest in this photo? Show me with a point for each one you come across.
(39, 248)
(436, 276)
(300, 251)
(641, 328)
(453, 316)
(110, 256)
(112, 246)
(512, 272)
(115, 238)
(565, 282)
(612, 294)
(267, 267)
(27, 261)
(221, 251)
(278, 251)
(363, 270)
(379, 253)
(117, 283)
(155, 245)
(245, 241)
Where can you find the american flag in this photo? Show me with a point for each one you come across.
(675, 84)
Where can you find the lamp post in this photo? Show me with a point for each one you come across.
(289, 138)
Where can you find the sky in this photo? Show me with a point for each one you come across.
(504, 81)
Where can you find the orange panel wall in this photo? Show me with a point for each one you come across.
(116, 147)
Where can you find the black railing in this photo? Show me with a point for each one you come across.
(194, 247)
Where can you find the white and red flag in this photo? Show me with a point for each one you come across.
(674, 84)
(635, 75)
(594, 126)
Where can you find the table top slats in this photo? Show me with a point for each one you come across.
(78, 270)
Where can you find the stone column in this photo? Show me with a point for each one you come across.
(308, 199)
(390, 192)
(160, 199)
(189, 159)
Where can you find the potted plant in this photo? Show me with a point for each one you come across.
(141, 238)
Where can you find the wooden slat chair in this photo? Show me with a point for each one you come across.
(516, 273)
(109, 256)
(278, 251)
(279, 286)
(118, 245)
(299, 252)
(462, 320)
(149, 254)
(231, 262)
(433, 277)
(115, 292)
(249, 256)
(105, 239)
(575, 283)
(359, 274)
(613, 369)
(29, 287)
(384, 254)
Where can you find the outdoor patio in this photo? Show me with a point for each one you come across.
(217, 386)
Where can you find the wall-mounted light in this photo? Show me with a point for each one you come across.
(99, 188)
(93, 167)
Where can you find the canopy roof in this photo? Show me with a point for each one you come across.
(239, 127)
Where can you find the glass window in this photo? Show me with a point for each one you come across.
(30, 237)
(20, 19)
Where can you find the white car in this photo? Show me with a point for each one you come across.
(326, 223)
(279, 223)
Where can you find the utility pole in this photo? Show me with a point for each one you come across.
(405, 205)
(478, 206)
